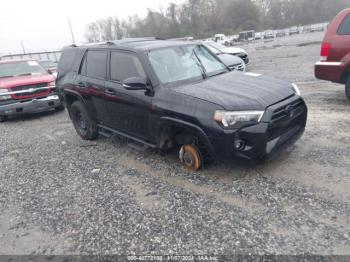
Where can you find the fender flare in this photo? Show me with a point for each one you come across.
(75, 94)
(197, 129)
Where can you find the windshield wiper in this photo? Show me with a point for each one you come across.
(200, 64)
(219, 73)
(5, 76)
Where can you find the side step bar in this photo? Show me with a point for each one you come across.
(108, 132)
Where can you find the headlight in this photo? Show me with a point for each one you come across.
(238, 119)
(296, 89)
(4, 97)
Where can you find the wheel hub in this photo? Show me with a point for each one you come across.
(191, 157)
(188, 159)
(81, 121)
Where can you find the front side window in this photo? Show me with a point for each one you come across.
(344, 28)
(125, 65)
(184, 63)
(94, 64)
(22, 68)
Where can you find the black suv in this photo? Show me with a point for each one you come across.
(178, 95)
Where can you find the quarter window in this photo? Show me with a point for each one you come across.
(344, 28)
(125, 65)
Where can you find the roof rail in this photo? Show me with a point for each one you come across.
(136, 39)
(121, 41)
(99, 43)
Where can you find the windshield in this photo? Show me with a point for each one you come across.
(190, 62)
(48, 64)
(12, 69)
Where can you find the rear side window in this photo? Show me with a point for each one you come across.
(67, 59)
(94, 64)
(344, 28)
(125, 65)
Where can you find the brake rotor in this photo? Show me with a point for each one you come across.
(191, 157)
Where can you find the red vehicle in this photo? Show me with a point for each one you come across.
(26, 87)
(335, 52)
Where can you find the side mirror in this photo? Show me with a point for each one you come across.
(135, 83)
(50, 71)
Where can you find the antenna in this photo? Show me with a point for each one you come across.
(24, 51)
(71, 30)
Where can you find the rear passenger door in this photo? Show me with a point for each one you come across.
(128, 110)
(91, 82)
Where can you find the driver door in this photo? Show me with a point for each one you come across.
(129, 110)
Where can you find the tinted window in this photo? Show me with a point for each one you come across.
(67, 59)
(124, 65)
(344, 28)
(95, 64)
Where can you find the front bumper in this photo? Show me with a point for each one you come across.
(264, 140)
(331, 71)
(31, 106)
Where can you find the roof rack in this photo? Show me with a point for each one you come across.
(135, 39)
(120, 41)
(98, 43)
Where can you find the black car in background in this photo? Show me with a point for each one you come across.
(178, 95)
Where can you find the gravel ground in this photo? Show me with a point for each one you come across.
(62, 195)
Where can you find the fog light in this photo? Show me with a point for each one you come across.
(239, 144)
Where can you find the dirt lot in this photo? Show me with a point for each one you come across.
(62, 195)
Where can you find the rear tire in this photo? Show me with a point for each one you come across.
(347, 89)
(83, 123)
(3, 118)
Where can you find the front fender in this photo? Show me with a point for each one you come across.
(164, 121)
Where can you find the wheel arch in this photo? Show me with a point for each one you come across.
(346, 75)
(166, 122)
(71, 96)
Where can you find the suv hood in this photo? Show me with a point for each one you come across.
(239, 91)
(234, 50)
(10, 82)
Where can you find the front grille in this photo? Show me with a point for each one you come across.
(35, 93)
(287, 117)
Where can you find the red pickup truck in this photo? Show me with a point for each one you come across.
(335, 52)
(26, 87)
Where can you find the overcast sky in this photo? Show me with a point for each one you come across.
(43, 25)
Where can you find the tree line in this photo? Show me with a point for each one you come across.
(204, 18)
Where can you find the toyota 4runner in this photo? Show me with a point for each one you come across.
(172, 94)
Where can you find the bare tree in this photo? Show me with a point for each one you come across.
(203, 18)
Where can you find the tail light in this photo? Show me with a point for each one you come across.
(325, 50)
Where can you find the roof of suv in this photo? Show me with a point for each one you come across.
(138, 43)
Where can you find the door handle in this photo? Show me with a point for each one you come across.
(110, 91)
(81, 84)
